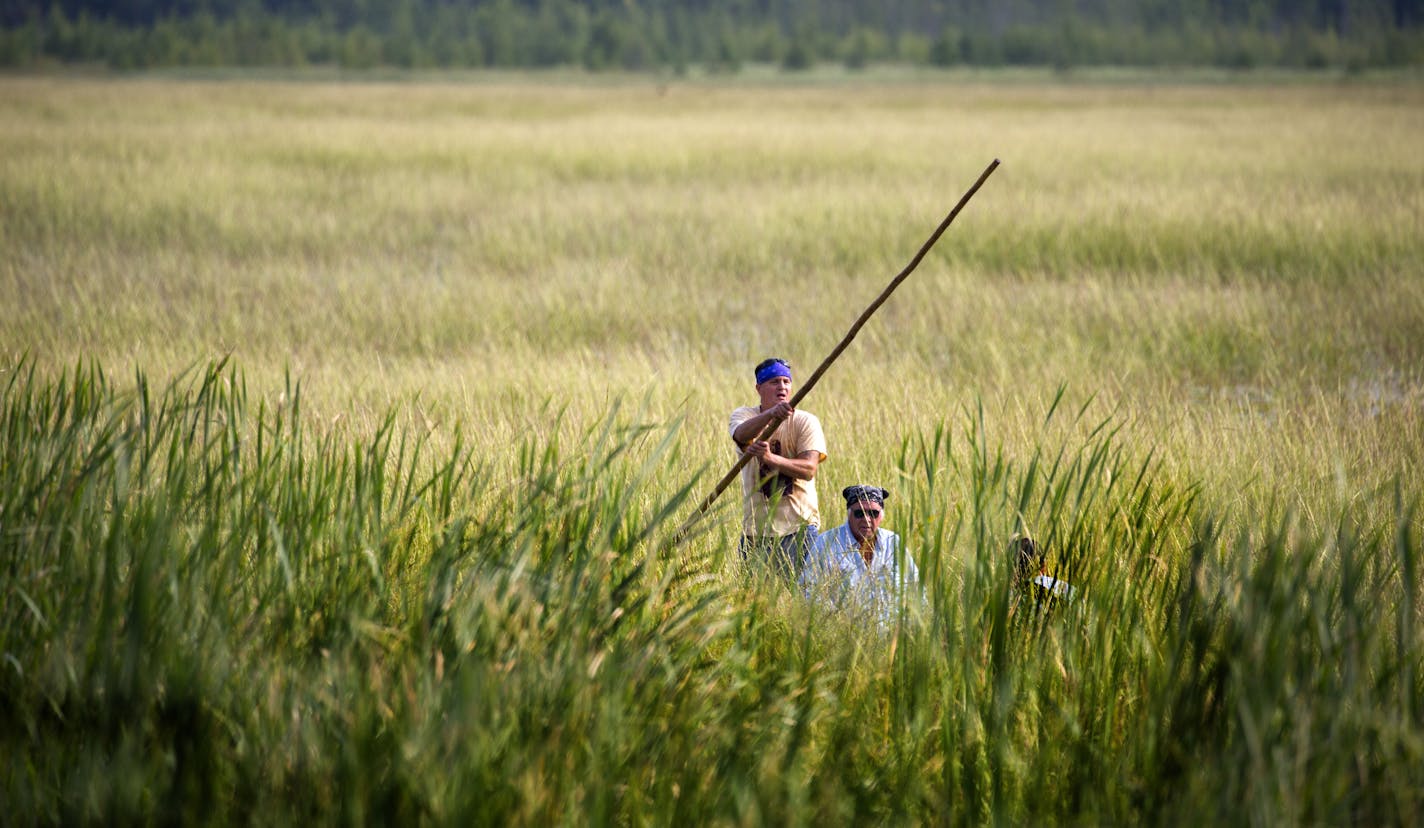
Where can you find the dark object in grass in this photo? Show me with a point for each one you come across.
(1031, 580)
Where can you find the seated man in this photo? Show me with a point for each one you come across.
(858, 566)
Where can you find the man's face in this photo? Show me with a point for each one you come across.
(774, 390)
(864, 517)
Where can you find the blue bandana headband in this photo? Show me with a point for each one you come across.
(775, 369)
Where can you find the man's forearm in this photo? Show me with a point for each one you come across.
(801, 468)
(750, 429)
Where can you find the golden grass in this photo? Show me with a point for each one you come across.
(1234, 267)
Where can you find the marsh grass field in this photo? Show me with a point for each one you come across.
(345, 426)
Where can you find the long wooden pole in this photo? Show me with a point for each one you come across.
(836, 352)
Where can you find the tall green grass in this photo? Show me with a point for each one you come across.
(411, 561)
(215, 609)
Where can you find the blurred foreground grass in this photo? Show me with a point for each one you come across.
(209, 614)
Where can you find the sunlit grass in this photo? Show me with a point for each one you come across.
(492, 246)
(1177, 335)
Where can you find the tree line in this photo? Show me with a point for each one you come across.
(717, 36)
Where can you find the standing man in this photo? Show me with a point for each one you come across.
(780, 514)
(858, 565)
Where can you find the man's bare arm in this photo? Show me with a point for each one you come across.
(801, 467)
(751, 428)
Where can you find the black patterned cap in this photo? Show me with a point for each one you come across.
(855, 494)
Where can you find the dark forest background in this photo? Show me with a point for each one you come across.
(674, 35)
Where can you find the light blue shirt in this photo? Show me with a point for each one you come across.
(837, 574)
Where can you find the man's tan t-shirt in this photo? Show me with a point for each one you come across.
(795, 499)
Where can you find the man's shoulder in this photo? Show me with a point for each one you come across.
(806, 416)
(808, 428)
(744, 413)
(891, 539)
(830, 546)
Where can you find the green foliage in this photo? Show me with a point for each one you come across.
(620, 36)
(799, 55)
(862, 46)
(946, 48)
(213, 612)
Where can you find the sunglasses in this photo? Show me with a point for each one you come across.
(865, 513)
